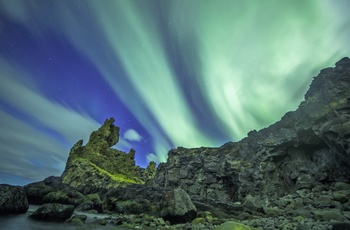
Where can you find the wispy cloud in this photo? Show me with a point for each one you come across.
(132, 135)
(41, 148)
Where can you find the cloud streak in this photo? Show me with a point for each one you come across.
(26, 151)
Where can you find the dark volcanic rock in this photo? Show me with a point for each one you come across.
(13, 199)
(176, 207)
(134, 199)
(53, 212)
(307, 148)
(96, 166)
(91, 202)
(52, 190)
(36, 192)
(149, 173)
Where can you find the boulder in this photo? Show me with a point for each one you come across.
(342, 196)
(53, 212)
(77, 219)
(253, 203)
(340, 186)
(36, 192)
(13, 199)
(52, 190)
(65, 196)
(328, 215)
(91, 202)
(176, 207)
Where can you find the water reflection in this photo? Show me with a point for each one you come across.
(24, 222)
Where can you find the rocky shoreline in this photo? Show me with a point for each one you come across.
(294, 174)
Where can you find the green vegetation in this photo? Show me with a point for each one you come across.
(232, 225)
(116, 177)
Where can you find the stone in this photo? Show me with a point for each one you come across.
(52, 190)
(53, 212)
(342, 196)
(101, 221)
(36, 192)
(176, 207)
(91, 202)
(339, 186)
(77, 219)
(328, 215)
(13, 199)
(253, 203)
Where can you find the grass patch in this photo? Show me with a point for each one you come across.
(116, 177)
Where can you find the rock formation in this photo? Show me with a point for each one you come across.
(53, 212)
(97, 166)
(13, 199)
(176, 207)
(305, 149)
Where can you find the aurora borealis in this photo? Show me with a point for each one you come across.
(172, 73)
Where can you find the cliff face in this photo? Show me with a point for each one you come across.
(98, 166)
(306, 148)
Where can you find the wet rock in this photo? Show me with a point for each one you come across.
(177, 207)
(52, 190)
(77, 219)
(13, 199)
(101, 221)
(36, 192)
(342, 196)
(91, 202)
(53, 212)
(328, 215)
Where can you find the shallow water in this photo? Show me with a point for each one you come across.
(23, 221)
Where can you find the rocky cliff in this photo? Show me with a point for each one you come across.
(98, 166)
(306, 149)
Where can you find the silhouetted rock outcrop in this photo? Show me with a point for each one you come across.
(97, 166)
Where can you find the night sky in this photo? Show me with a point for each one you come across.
(185, 73)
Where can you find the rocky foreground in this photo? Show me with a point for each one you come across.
(294, 174)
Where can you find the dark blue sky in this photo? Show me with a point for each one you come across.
(171, 73)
